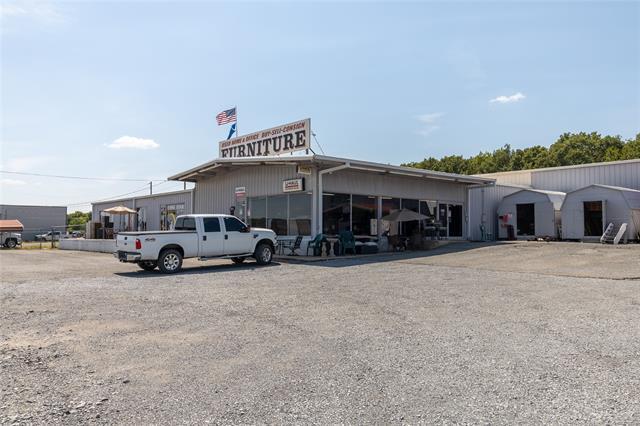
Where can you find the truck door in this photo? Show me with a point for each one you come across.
(211, 238)
(236, 241)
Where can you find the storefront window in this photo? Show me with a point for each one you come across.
(411, 227)
(389, 205)
(364, 210)
(168, 215)
(300, 214)
(429, 208)
(258, 212)
(277, 214)
(335, 213)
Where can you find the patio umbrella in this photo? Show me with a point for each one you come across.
(120, 210)
(404, 215)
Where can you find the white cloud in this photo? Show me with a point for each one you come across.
(508, 99)
(430, 123)
(131, 142)
(35, 9)
(12, 182)
(427, 130)
(431, 117)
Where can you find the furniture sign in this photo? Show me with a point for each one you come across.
(275, 141)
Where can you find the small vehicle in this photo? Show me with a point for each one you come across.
(10, 239)
(49, 236)
(205, 236)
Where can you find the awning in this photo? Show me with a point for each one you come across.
(11, 225)
(211, 168)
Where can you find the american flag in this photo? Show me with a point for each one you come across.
(228, 116)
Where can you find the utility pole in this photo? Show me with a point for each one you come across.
(151, 188)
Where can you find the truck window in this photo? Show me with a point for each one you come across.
(233, 225)
(211, 224)
(185, 224)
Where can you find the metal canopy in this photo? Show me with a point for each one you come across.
(322, 162)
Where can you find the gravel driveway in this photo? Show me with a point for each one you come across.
(402, 339)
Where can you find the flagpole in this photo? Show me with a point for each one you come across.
(237, 134)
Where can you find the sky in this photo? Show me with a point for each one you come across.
(130, 90)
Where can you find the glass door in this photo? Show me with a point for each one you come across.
(450, 219)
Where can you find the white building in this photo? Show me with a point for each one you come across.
(484, 201)
(531, 213)
(586, 212)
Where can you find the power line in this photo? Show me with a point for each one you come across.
(80, 177)
(145, 188)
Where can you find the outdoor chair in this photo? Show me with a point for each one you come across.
(397, 243)
(316, 244)
(347, 242)
(295, 246)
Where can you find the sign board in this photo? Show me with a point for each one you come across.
(241, 193)
(304, 170)
(275, 141)
(293, 185)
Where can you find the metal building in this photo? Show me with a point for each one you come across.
(624, 174)
(485, 201)
(587, 212)
(154, 212)
(531, 213)
(308, 195)
(36, 219)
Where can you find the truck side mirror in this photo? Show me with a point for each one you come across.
(245, 229)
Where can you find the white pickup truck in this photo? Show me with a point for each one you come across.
(204, 236)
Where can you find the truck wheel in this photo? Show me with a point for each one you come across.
(237, 260)
(263, 254)
(148, 265)
(10, 243)
(170, 261)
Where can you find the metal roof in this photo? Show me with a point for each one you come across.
(555, 197)
(323, 161)
(141, 197)
(575, 166)
(631, 196)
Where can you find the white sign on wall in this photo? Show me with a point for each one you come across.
(275, 141)
(293, 185)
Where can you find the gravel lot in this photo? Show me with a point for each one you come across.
(471, 333)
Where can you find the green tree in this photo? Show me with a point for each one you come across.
(77, 218)
(570, 149)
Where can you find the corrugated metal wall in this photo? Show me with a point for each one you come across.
(36, 219)
(544, 211)
(515, 178)
(216, 194)
(616, 210)
(151, 205)
(626, 175)
(485, 212)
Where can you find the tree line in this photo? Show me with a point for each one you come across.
(570, 149)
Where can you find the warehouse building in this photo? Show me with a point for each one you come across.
(313, 194)
(586, 212)
(36, 219)
(485, 200)
(530, 213)
(153, 213)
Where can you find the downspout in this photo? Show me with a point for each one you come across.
(321, 173)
